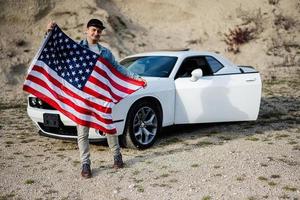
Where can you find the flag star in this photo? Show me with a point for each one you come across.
(62, 47)
(77, 65)
(68, 74)
(74, 46)
(87, 57)
(63, 74)
(83, 78)
(70, 80)
(49, 63)
(79, 85)
(59, 67)
(65, 54)
(62, 61)
(77, 52)
(71, 67)
(73, 73)
(52, 55)
(47, 56)
(84, 51)
(42, 56)
(68, 60)
(71, 53)
(91, 63)
(60, 34)
(84, 64)
(66, 40)
(68, 46)
(50, 43)
(87, 70)
(81, 58)
(45, 50)
(56, 69)
(80, 72)
(76, 79)
(94, 56)
(51, 49)
(74, 59)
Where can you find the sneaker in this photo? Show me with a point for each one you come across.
(86, 171)
(118, 162)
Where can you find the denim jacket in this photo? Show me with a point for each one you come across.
(106, 53)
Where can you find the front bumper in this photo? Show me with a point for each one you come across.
(66, 130)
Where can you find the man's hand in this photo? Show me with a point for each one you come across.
(50, 26)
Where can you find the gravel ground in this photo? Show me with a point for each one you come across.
(244, 160)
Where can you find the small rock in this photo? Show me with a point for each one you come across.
(131, 186)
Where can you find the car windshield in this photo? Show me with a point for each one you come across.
(155, 66)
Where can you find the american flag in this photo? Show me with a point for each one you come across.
(78, 82)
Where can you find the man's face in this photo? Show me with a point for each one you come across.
(93, 33)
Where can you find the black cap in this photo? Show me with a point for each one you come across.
(95, 22)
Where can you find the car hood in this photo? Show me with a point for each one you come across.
(154, 84)
(154, 81)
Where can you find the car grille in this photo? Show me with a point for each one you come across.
(61, 130)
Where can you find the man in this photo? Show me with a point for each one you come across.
(93, 33)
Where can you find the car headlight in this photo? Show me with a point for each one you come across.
(32, 101)
(40, 102)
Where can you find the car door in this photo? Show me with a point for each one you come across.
(215, 98)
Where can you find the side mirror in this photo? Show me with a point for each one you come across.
(196, 74)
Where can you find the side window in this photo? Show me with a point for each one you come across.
(214, 64)
(189, 64)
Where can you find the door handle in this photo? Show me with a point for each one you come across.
(251, 80)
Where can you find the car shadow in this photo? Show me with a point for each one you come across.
(276, 114)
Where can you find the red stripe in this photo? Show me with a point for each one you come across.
(104, 87)
(68, 114)
(67, 101)
(112, 82)
(71, 93)
(119, 74)
(96, 94)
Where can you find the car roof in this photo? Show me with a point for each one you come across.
(176, 53)
(183, 54)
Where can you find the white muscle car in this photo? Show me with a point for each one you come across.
(183, 87)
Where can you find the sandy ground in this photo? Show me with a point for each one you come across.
(245, 160)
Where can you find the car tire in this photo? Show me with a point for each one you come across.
(142, 126)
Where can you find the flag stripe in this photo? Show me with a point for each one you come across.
(116, 77)
(105, 81)
(112, 80)
(96, 94)
(65, 112)
(120, 75)
(67, 101)
(100, 84)
(97, 105)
